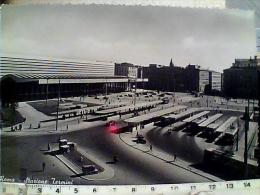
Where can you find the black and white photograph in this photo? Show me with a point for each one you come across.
(125, 94)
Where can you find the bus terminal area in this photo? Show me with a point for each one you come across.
(180, 122)
(138, 108)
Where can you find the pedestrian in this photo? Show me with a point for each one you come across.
(49, 147)
(151, 147)
(67, 127)
(43, 166)
(115, 159)
(174, 157)
(30, 126)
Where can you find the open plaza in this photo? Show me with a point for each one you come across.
(101, 139)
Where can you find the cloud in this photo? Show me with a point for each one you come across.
(141, 35)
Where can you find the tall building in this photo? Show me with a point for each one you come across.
(215, 80)
(192, 78)
(192, 73)
(165, 78)
(126, 69)
(240, 80)
(203, 79)
(198, 79)
(158, 77)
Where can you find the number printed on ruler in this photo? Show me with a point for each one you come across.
(245, 187)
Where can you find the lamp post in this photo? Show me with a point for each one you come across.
(58, 103)
(246, 131)
(47, 91)
(135, 93)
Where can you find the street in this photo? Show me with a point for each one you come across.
(134, 167)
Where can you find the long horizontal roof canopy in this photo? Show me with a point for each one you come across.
(66, 78)
(210, 120)
(152, 115)
(226, 124)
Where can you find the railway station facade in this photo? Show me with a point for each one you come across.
(33, 79)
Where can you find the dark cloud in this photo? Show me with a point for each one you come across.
(142, 35)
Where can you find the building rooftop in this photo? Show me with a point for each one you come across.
(14, 65)
(36, 77)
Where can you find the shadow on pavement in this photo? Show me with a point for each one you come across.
(44, 150)
(78, 175)
(37, 171)
(53, 153)
(111, 162)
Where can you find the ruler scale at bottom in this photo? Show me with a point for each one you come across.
(245, 187)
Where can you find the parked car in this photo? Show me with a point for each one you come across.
(140, 139)
(89, 169)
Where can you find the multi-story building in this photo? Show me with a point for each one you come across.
(215, 80)
(126, 69)
(174, 78)
(192, 73)
(198, 79)
(240, 80)
(203, 79)
(165, 78)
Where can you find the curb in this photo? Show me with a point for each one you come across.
(185, 168)
(107, 173)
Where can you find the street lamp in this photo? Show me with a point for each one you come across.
(47, 91)
(58, 103)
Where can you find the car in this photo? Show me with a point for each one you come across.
(89, 169)
(110, 123)
(165, 100)
(140, 139)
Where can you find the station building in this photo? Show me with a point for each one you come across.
(24, 79)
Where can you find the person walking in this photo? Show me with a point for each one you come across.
(67, 127)
(174, 157)
(43, 166)
(151, 147)
(49, 147)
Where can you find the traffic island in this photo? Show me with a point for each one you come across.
(81, 163)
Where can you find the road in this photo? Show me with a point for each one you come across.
(134, 167)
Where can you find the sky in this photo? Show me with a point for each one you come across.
(145, 35)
